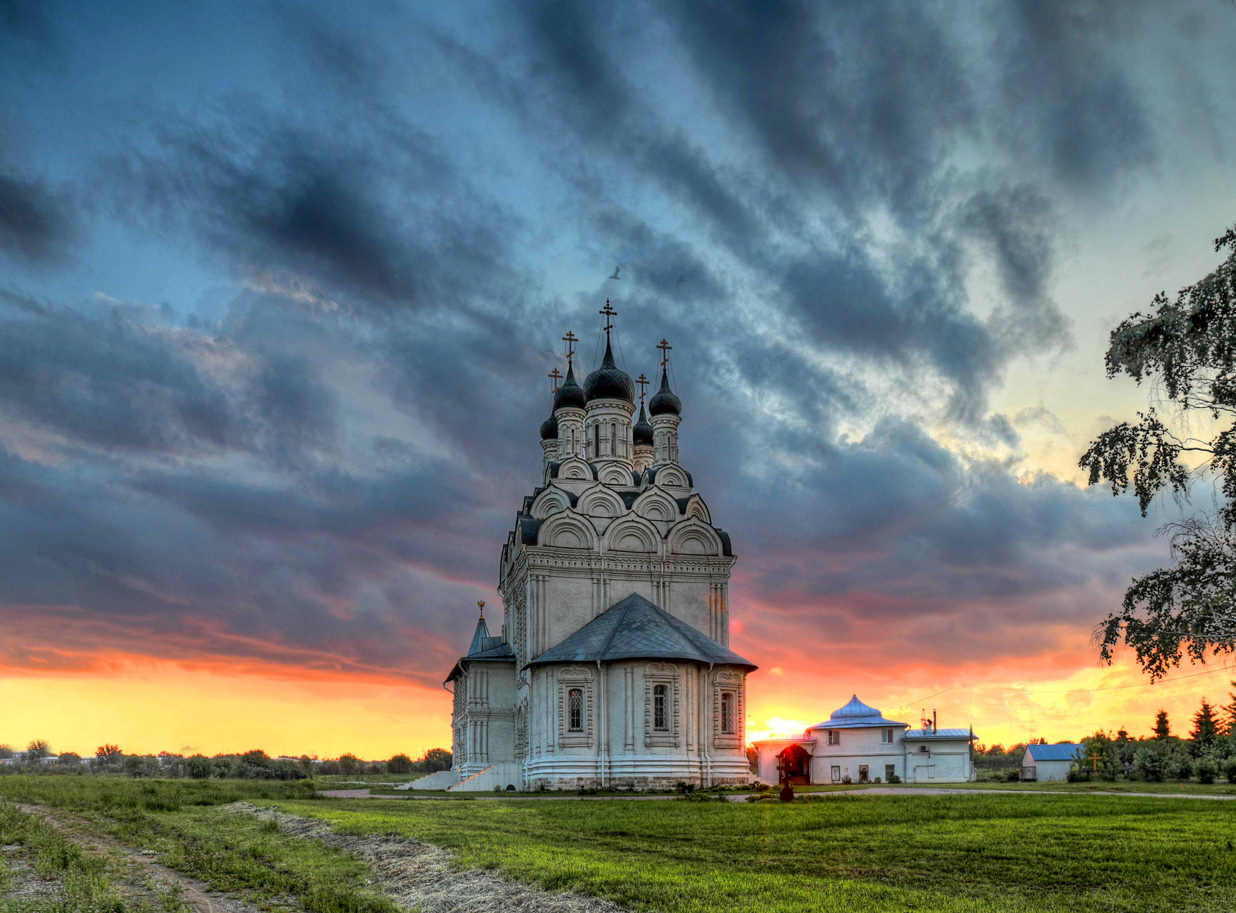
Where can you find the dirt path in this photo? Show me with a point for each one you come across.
(137, 869)
(422, 876)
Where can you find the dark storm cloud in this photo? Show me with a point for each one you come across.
(114, 378)
(27, 20)
(323, 474)
(37, 224)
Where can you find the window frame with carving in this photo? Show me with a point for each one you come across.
(730, 682)
(575, 678)
(658, 675)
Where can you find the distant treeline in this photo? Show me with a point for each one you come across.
(251, 765)
(1209, 752)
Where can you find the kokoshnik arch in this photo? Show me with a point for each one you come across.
(613, 665)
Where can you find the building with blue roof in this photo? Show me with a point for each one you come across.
(1044, 763)
(858, 744)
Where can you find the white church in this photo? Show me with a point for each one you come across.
(612, 667)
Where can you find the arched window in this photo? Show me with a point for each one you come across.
(727, 713)
(575, 710)
(596, 441)
(660, 710)
(613, 440)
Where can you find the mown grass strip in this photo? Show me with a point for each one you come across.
(973, 852)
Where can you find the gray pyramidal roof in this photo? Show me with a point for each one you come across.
(634, 628)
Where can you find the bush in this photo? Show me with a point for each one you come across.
(1150, 763)
(1184, 767)
(399, 764)
(847, 779)
(893, 778)
(199, 767)
(1207, 770)
(1013, 775)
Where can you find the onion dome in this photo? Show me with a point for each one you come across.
(664, 402)
(609, 381)
(569, 394)
(641, 434)
(549, 429)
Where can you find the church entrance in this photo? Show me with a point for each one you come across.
(795, 766)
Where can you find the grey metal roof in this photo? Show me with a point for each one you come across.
(938, 734)
(1066, 751)
(634, 628)
(855, 715)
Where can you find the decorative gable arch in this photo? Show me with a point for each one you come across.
(656, 504)
(575, 468)
(550, 501)
(615, 474)
(567, 529)
(672, 476)
(632, 534)
(698, 509)
(693, 537)
(599, 501)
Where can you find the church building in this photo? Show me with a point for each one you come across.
(612, 667)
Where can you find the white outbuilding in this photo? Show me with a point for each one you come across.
(1043, 763)
(856, 744)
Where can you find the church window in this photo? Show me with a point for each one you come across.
(613, 440)
(834, 737)
(727, 713)
(660, 714)
(575, 710)
(887, 737)
(836, 773)
(890, 771)
(862, 773)
(596, 441)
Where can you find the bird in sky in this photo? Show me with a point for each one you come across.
(679, 281)
(615, 275)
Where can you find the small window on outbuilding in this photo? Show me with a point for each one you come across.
(836, 773)
(834, 737)
(890, 771)
(887, 737)
(575, 710)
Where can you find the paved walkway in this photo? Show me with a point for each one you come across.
(742, 797)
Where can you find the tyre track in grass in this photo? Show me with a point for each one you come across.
(193, 894)
(422, 876)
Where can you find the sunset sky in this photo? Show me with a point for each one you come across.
(280, 286)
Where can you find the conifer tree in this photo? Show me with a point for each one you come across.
(1205, 727)
(1161, 729)
(1227, 718)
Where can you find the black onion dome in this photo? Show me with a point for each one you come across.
(549, 429)
(570, 393)
(642, 432)
(609, 381)
(664, 402)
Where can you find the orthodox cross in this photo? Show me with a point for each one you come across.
(570, 339)
(643, 383)
(665, 347)
(555, 375)
(608, 312)
(481, 604)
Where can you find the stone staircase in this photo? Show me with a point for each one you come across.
(443, 779)
(508, 773)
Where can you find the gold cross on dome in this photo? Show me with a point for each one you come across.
(481, 604)
(607, 312)
(643, 383)
(665, 347)
(570, 339)
(556, 376)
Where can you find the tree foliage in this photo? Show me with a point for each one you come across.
(1186, 348)
(1162, 728)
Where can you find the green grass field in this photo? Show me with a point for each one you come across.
(967, 852)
